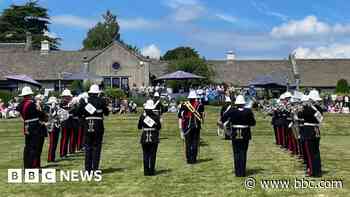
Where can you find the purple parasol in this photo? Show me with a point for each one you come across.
(23, 78)
(179, 75)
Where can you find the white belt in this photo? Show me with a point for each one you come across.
(311, 124)
(240, 126)
(94, 118)
(148, 129)
(99, 111)
(31, 120)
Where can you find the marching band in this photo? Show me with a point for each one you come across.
(78, 122)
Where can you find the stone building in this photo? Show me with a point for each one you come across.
(122, 68)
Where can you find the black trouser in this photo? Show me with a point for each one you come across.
(40, 149)
(53, 141)
(192, 145)
(275, 130)
(31, 149)
(73, 139)
(64, 141)
(81, 134)
(149, 158)
(240, 148)
(313, 156)
(93, 146)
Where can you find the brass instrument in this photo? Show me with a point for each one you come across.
(193, 111)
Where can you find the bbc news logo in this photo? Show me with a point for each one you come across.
(52, 176)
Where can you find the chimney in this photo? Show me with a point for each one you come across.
(45, 47)
(230, 56)
(28, 45)
(85, 64)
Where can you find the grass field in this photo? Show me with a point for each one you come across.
(212, 176)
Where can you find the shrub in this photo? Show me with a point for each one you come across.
(6, 95)
(342, 86)
(115, 93)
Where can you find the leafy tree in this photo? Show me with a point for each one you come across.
(180, 53)
(103, 33)
(16, 20)
(131, 47)
(76, 86)
(342, 86)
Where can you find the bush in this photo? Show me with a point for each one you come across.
(342, 87)
(139, 100)
(115, 93)
(6, 96)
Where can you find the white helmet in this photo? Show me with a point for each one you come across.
(240, 100)
(192, 95)
(26, 91)
(52, 99)
(94, 89)
(227, 99)
(66, 92)
(304, 98)
(149, 104)
(286, 95)
(156, 94)
(315, 95)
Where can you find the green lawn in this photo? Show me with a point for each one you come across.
(213, 176)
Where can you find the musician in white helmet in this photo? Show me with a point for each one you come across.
(191, 115)
(149, 123)
(241, 120)
(53, 127)
(30, 115)
(67, 124)
(225, 109)
(159, 108)
(312, 116)
(93, 112)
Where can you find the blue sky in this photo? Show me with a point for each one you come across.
(253, 29)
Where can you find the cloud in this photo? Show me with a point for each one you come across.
(137, 23)
(227, 18)
(309, 26)
(331, 51)
(151, 51)
(263, 8)
(185, 10)
(73, 21)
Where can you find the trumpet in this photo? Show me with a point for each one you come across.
(193, 110)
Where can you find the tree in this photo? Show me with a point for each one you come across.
(180, 53)
(342, 86)
(103, 33)
(16, 20)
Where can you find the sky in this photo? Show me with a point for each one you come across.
(253, 29)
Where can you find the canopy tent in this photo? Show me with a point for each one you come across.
(270, 80)
(82, 76)
(180, 75)
(23, 79)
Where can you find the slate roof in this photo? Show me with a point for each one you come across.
(313, 72)
(42, 67)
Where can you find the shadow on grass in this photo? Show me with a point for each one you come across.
(163, 138)
(164, 171)
(112, 170)
(254, 171)
(203, 143)
(204, 160)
